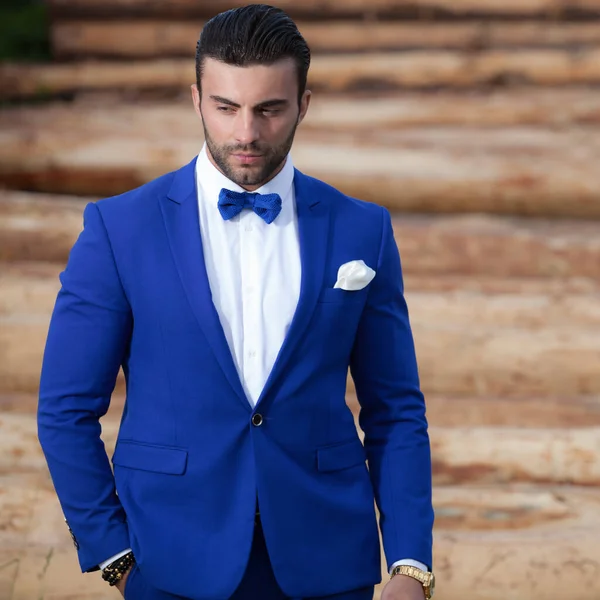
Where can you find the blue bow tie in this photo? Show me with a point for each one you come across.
(266, 206)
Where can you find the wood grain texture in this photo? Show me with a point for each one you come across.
(148, 38)
(497, 248)
(43, 227)
(504, 455)
(29, 293)
(38, 227)
(320, 8)
(470, 342)
(461, 455)
(330, 73)
(356, 113)
(553, 412)
(475, 536)
(539, 171)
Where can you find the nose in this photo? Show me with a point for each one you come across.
(246, 128)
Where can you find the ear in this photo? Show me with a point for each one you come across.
(304, 104)
(196, 99)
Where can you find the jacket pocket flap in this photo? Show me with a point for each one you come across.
(148, 457)
(340, 456)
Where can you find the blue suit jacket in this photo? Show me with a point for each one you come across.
(189, 463)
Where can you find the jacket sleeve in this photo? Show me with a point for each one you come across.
(384, 368)
(87, 341)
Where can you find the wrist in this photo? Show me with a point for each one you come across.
(419, 578)
(407, 587)
(114, 573)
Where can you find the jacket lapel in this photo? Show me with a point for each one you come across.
(180, 212)
(313, 211)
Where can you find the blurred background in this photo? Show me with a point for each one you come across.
(475, 121)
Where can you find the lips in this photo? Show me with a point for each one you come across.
(247, 159)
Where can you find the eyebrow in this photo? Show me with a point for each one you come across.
(265, 104)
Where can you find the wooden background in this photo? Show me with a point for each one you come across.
(476, 122)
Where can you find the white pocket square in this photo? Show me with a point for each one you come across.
(354, 275)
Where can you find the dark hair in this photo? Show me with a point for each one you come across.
(251, 35)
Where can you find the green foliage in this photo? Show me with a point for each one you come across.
(24, 31)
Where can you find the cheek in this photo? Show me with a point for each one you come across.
(279, 129)
(218, 127)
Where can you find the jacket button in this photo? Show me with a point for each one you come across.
(257, 420)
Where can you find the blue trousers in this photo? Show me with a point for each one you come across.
(258, 582)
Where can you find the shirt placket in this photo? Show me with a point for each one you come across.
(251, 282)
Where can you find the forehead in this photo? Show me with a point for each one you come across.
(252, 83)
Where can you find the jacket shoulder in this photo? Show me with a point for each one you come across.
(344, 204)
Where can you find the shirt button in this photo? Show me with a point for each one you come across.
(252, 353)
(257, 420)
(248, 228)
(250, 289)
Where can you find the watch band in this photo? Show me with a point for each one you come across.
(425, 578)
(114, 572)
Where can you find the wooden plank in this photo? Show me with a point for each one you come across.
(485, 455)
(329, 72)
(522, 531)
(461, 455)
(452, 360)
(491, 285)
(442, 411)
(477, 508)
(502, 351)
(496, 247)
(458, 360)
(318, 8)
(47, 572)
(530, 564)
(22, 342)
(426, 69)
(490, 108)
(542, 412)
(507, 362)
(469, 309)
(514, 170)
(552, 541)
(21, 450)
(161, 39)
(40, 227)
(28, 289)
(29, 292)
(344, 113)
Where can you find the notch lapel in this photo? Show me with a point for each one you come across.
(182, 221)
(313, 212)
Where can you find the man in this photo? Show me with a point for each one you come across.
(235, 293)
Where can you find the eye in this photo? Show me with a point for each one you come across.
(269, 112)
(225, 109)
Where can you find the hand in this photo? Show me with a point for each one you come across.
(402, 587)
(123, 582)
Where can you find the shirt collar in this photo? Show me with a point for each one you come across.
(211, 181)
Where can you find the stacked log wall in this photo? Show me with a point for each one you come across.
(476, 123)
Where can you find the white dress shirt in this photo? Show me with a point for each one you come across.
(254, 273)
(253, 270)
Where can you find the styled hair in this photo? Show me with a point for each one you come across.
(257, 34)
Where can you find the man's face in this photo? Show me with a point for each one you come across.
(249, 115)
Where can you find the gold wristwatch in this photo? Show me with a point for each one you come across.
(426, 578)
